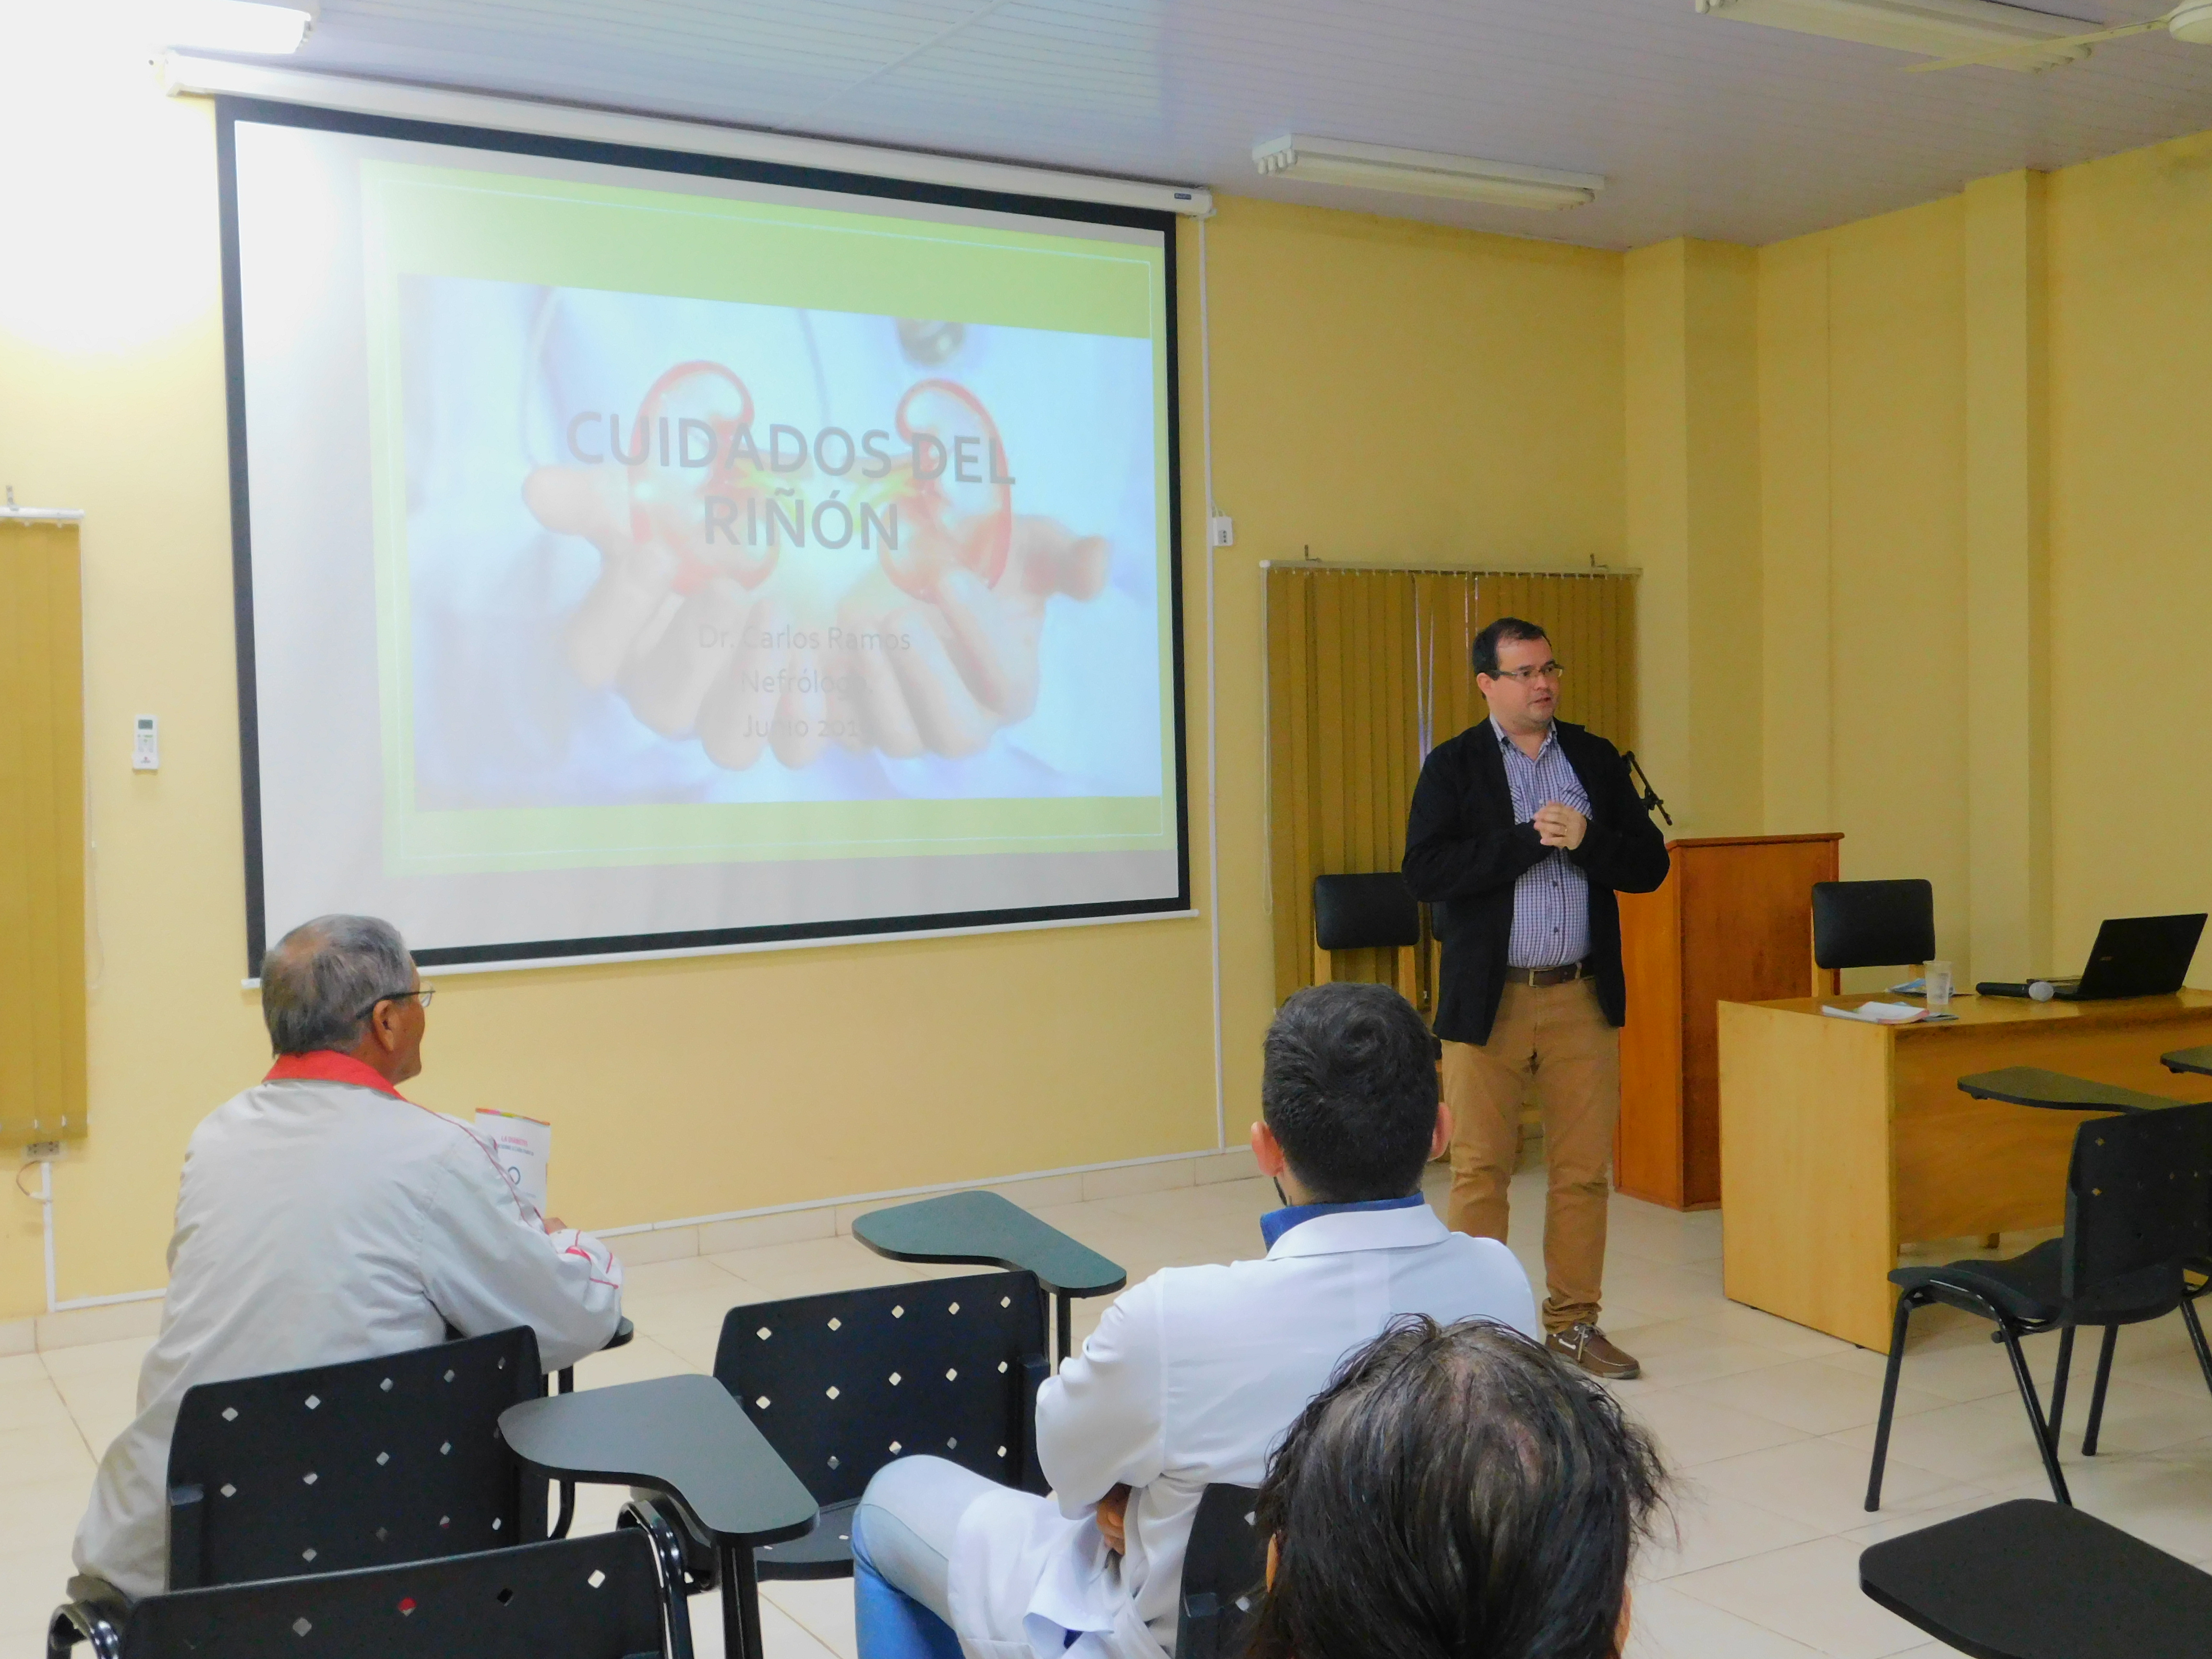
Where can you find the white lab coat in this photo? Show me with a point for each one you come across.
(1190, 1378)
(319, 1222)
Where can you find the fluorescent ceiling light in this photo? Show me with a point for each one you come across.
(1934, 28)
(1423, 172)
(248, 26)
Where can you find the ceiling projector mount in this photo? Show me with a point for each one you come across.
(1960, 34)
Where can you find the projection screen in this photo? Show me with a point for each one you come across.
(639, 552)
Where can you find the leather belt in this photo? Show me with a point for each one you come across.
(1544, 976)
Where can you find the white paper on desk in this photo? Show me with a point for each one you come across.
(523, 1147)
(1880, 1013)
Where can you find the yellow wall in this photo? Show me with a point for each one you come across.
(1385, 392)
(2130, 345)
(1862, 430)
(1691, 400)
(1984, 529)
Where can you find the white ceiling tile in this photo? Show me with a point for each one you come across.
(1701, 126)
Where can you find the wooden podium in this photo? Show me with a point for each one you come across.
(1732, 923)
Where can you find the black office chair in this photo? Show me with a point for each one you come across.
(1361, 913)
(1224, 1569)
(2034, 1580)
(840, 1384)
(2136, 1195)
(608, 1596)
(1872, 924)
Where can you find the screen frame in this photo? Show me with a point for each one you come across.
(230, 109)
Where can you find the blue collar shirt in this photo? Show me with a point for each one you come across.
(1276, 1223)
(1551, 900)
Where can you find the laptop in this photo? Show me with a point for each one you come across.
(2133, 956)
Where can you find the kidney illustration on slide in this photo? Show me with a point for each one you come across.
(662, 550)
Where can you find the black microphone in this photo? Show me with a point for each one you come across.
(1650, 797)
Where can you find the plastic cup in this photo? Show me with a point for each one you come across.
(1939, 984)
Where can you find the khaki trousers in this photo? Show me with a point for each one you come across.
(1556, 1038)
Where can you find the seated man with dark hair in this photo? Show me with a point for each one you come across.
(1192, 1375)
(322, 1216)
(1456, 1490)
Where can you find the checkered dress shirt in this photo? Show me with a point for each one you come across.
(1551, 901)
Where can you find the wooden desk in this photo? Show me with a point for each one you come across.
(1841, 1142)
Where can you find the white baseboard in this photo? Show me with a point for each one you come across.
(783, 1224)
(741, 1229)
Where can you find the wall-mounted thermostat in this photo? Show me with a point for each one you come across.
(146, 743)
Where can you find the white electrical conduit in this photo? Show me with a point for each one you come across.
(1212, 706)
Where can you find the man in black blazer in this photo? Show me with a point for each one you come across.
(1523, 829)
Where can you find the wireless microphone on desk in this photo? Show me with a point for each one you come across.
(2035, 990)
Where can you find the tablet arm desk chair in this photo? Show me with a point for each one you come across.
(611, 1595)
(1224, 1569)
(340, 1470)
(363, 1464)
(1359, 913)
(840, 1384)
(1870, 924)
(2031, 1579)
(2138, 1208)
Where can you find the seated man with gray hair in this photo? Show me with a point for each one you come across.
(322, 1216)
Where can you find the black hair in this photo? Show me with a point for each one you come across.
(1456, 1492)
(1505, 628)
(1349, 1087)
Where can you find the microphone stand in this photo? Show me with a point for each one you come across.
(1650, 797)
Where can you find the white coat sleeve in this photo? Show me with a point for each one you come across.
(488, 1263)
(1099, 1423)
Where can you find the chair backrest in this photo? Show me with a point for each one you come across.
(1224, 1569)
(1872, 924)
(840, 1384)
(598, 1597)
(358, 1465)
(1354, 913)
(2138, 1207)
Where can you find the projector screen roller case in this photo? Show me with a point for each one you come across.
(638, 552)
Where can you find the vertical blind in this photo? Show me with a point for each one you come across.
(42, 1043)
(1369, 669)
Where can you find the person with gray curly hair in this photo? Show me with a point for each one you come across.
(322, 1216)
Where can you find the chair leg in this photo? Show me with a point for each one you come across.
(2059, 1379)
(2043, 1440)
(2197, 1340)
(1906, 1304)
(2097, 1395)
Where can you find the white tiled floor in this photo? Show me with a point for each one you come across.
(1765, 1424)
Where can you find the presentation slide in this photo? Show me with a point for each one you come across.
(637, 558)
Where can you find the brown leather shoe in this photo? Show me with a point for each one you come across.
(1586, 1346)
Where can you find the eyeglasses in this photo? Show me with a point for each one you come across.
(1550, 671)
(422, 997)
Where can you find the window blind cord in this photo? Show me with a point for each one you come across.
(1213, 703)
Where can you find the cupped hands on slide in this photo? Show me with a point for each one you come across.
(1559, 825)
(825, 648)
